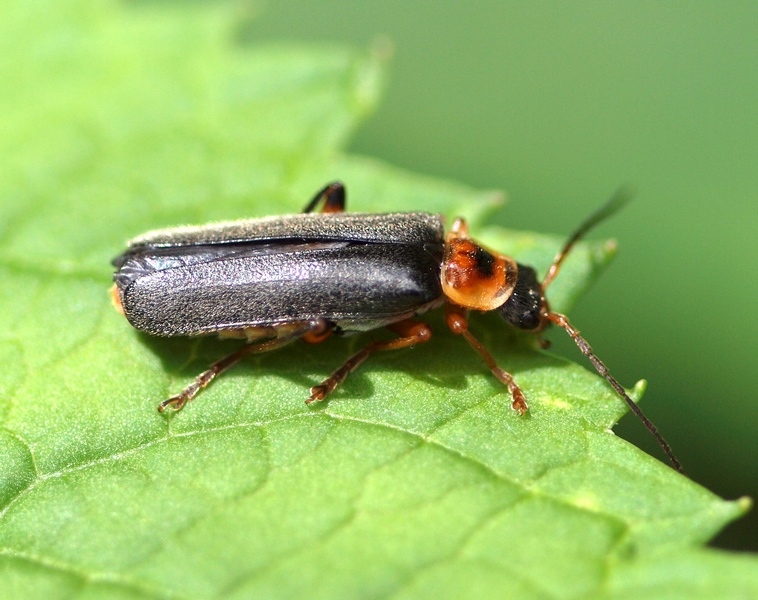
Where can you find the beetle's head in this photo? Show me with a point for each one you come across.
(526, 308)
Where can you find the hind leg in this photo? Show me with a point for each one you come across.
(294, 331)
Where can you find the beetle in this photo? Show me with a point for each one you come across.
(274, 280)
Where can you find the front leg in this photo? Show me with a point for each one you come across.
(455, 316)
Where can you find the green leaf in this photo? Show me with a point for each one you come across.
(415, 479)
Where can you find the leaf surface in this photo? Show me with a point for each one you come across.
(415, 479)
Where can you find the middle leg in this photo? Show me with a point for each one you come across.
(411, 332)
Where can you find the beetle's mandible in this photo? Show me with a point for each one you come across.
(275, 280)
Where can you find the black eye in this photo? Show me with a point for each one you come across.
(529, 320)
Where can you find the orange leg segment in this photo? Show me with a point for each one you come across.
(317, 327)
(455, 316)
(411, 332)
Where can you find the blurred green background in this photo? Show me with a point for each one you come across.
(560, 103)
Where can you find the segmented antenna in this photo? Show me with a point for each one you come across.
(616, 202)
(600, 367)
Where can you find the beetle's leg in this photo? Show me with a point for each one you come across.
(333, 196)
(411, 332)
(460, 227)
(218, 367)
(455, 316)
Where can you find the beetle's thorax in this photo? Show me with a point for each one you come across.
(473, 276)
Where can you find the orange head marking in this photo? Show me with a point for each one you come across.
(474, 277)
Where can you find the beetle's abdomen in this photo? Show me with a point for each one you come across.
(203, 289)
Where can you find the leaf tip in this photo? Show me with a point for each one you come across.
(638, 390)
(744, 504)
